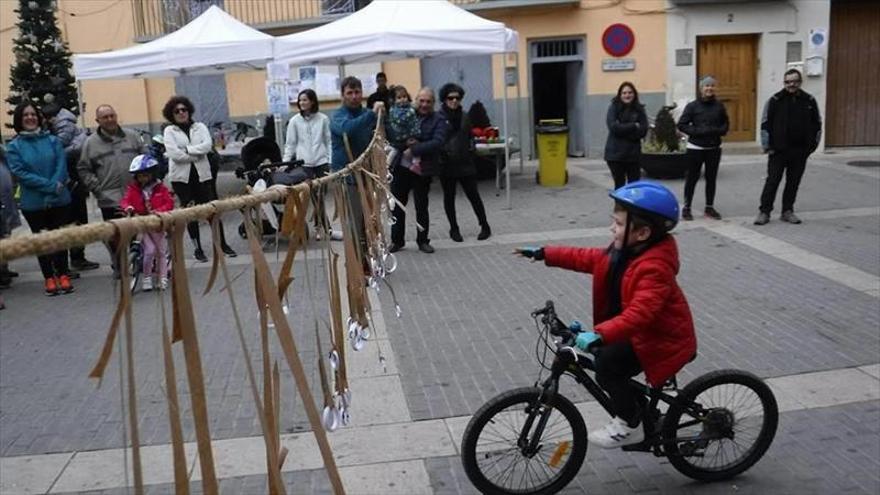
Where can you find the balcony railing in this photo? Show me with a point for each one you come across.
(154, 18)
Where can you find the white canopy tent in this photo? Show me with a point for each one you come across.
(400, 29)
(212, 43)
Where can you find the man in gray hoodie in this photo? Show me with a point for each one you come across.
(62, 123)
(104, 161)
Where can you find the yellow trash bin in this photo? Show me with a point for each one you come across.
(552, 153)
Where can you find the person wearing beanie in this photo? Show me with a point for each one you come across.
(704, 120)
(457, 162)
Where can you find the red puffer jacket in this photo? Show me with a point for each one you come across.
(655, 316)
(160, 200)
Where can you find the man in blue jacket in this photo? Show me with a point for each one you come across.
(433, 128)
(355, 123)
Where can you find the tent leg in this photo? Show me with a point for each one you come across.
(506, 133)
(518, 116)
(81, 106)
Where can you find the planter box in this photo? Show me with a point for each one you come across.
(664, 165)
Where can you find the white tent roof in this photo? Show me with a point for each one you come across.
(397, 29)
(213, 42)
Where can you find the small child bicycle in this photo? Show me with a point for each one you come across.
(533, 440)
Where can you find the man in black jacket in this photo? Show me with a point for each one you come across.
(790, 131)
(426, 147)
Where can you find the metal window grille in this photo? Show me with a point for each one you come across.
(556, 48)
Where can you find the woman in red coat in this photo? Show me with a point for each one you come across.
(144, 196)
(641, 318)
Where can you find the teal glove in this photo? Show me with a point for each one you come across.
(534, 252)
(585, 340)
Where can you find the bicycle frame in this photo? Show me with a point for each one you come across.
(569, 361)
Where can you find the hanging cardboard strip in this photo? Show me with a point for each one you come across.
(107, 348)
(288, 345)
(181, 481)
(126, 233)
(214, 222)
(185, 323)
(276, 484)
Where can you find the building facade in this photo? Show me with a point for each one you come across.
(572, 56)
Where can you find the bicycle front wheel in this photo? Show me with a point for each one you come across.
(736, 430)
(498, 462)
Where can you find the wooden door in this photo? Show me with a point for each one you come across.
(733, 61)
(853, 105)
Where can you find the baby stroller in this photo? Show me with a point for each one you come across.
(262, 168)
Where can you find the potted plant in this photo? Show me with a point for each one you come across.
(663, 154)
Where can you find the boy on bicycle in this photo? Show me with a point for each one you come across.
(642, 321)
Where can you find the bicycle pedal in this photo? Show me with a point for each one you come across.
(643, 446)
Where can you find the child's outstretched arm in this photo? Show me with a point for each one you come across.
(579, 259)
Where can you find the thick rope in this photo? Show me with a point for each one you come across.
(81, 235)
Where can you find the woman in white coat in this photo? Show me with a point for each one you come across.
(308, 139)
(187, 144)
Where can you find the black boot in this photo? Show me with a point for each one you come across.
(455, 234)
(485, 232)
(199, 254)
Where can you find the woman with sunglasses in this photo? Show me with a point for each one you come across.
(187, 144)
(457, 162)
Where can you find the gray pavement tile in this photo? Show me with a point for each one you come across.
(787, 468)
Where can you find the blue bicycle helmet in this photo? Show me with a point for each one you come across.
(651, 200)
(143, 164)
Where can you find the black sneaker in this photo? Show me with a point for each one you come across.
(426, 248)
(395, 248)
(228, 251)
(790, 217)
(686, 213)
(712, 213)
(83, 265)
(199, 255)
(485, 232)
(455, 235)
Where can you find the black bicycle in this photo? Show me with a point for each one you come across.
(533, 439)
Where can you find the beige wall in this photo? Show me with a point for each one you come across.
(91, 26)
(590, 19)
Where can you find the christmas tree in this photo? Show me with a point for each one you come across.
(41, 72)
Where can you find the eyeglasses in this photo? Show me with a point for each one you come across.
(422, 100)
(792, 81)
(453, 98)
(181, 110)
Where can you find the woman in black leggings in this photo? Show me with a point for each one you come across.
(458, 163)
(187, 144)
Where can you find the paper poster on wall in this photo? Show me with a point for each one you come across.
(277, 71)
(818, 39)
(276, 97)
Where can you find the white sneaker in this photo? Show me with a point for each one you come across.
(616, 434)
(147, 284)
(163, 283)
(335, 235)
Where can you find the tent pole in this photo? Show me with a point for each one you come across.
(518, 116)
(81, 106)
(506, 134)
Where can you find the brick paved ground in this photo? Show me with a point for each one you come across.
(465, 334)
(819, 451)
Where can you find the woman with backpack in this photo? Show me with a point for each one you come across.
(457, 164)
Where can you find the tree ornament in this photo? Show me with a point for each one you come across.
(32, 5)
(48, 98)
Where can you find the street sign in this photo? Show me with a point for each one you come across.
(618, 40)
(618, 64)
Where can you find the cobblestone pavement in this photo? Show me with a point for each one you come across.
(464, 334)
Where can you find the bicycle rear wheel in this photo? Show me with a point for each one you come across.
(736, 431)
(495, 462)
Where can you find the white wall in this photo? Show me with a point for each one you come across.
(777, 22)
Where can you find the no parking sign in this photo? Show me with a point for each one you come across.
(618, 40)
